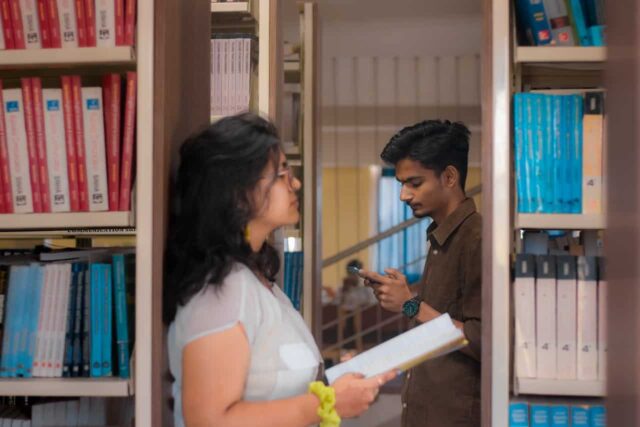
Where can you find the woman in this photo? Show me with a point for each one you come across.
(240, 353)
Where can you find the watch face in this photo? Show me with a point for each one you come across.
(410, 308)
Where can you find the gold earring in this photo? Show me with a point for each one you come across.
(246, 233)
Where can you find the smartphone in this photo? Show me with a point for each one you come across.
(356, 270)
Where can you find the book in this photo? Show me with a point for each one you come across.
(7, 24)
(67, 366)
(567, 320)
(426, 341)
(525, 316)
(518, 414)
(80, 143)
(128, 140)
(68, 22)
(579, 22)
(94, 147)
(598, 416)
(546, 316)
(592, 176)
(29, 124)
(533, 22)
(16, 23)
(119, 22)
(41, 143)
(129, 22)
(76, 368)
(45, 31)
(53, 19)
(580, 416)
(122, 322)
(107, 320)
(587, 318)
(56, 150)
(6, 193)
(70, 144)
(30, 24)
(105, 22)
(602, 320)
(32, 313)
(81, 23)
(559, 22)
(18, 155)
(112, 89)
(90, 22)
(96, 320)
(559, 416)
(539, 416)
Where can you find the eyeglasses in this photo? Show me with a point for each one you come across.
(286, 174)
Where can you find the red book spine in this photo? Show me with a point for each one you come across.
(7, 24)
(54, 23)
(90, 21)
(129, 22)
(41, 143)
(128, 142)
(119, 9)
(43, 18)
(29, 124)
(82, 26)
(78, 126)
(16, 23)
(72, 161)
(5, 176)
(112, 102)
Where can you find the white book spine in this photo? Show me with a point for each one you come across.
(226, 56)
(38, 358)
(602, 330)
(567, 327)
(94, 143)
(56, 150)
(105, 23)
(587, 321)
(546, 321)
(30, 24)
(213, 77)
(63, 312)
(51, 309)
(235, 72)
(68, 23)
(17, 149)
(525, 317)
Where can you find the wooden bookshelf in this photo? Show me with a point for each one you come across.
(231, 7)
(551, 387)
(559, 54)
(67, 57)
(560, 221)
(66, 220)
(72, 387)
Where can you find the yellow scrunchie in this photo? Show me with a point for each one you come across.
(327, 409)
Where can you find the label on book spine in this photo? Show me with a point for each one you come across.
(30, 24)
(68, 22)
(56, 150)
(105, 23)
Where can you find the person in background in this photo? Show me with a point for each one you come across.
(430, 160)
(241, 355)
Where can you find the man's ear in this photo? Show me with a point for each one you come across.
(451, 176)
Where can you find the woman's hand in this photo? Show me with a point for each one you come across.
(354, 393)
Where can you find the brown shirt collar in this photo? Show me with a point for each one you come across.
(442, 232)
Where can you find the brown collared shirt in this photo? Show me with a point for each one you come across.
(445, 392)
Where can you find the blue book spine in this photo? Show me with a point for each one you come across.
(540, 416)
(528, 153)
(579, 22)
(287, 275)
(35, 297)
(538, 144)
(518, 414)
(597, 33)
(535, 20)
(96, 321)
(299, 279)
(23, 323)
(559, 415)
(76, 335)
(580, 416)
(594, 12)
(567, 174)
(107, 321)
(7, 365)
(71, 316)
(518, 122)
(578, 115)
(548, 159)
(557, 153)
(86, 321)
(598, 416)
(122, 332)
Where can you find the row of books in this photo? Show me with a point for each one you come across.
(67, 319)
(561, 22)
(231, 57)
(524, 414)
(558, 152)
(85, 411)
(68, 148)
(293, 268)
(37, 24)
(560, 320)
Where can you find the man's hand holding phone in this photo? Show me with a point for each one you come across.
(391, 290)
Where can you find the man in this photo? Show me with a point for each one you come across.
(430, 160)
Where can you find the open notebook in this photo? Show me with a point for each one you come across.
(427, 341)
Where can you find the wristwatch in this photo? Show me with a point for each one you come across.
(411, 307)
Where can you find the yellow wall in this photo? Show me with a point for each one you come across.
(348, 214)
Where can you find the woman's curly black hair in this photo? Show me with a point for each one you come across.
(212, 202)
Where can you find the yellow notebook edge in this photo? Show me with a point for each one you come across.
(440, 351)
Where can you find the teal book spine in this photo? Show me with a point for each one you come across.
(95, 311)
(107, 320)
(35, 297)
(122, 327)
